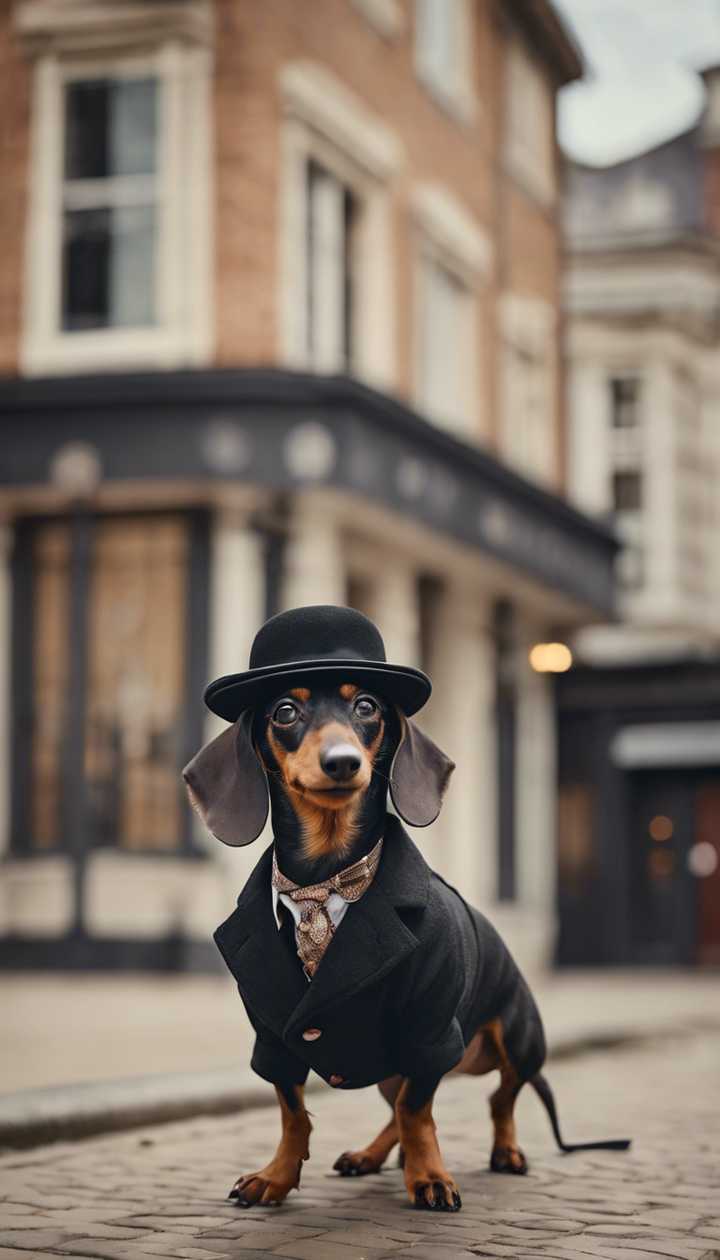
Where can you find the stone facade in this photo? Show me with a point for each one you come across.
(642, 297)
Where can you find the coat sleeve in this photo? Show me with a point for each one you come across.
(430, 1037)
(272, 1060)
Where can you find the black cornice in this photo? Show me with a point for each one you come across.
(155, 424)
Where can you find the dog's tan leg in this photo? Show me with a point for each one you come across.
(273, 1183)
(506, 1155)
(428, 1182)
(372, 1157)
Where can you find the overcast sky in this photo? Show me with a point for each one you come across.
(640, 86)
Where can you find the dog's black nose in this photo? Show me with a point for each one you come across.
(340, 761)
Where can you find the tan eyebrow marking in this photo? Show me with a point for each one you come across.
(348, 690)
(300, 693)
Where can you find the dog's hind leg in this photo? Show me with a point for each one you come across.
(506, 1156)
(372, 1157)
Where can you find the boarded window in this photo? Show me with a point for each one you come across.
(131, 593)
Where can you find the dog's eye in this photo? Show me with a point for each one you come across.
(285, 714)
(364, 707)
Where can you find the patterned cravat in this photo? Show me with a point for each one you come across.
(316, 928)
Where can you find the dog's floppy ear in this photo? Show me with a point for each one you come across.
(227, 785)
(419, 776)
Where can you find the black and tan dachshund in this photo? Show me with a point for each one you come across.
(414, 984)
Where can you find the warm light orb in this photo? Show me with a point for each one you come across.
(550, 658)
(661, 827)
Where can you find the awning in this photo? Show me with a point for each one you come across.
(667, 744)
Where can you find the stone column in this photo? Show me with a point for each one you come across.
(314, 561)
(237, 609)
(393, 606)
(237, 596)
(461, 719)
(535, 782)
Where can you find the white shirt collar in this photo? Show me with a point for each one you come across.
(335, 906)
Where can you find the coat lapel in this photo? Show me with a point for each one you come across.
(269, 976)
(370, 942)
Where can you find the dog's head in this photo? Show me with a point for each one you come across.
(325, 749)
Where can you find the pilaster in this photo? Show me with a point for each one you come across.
(460, 718)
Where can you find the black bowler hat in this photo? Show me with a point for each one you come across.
(307, 646)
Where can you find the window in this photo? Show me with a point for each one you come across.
(446, 386)
(331, 217)
(530, 125)
(625, 401)
(528, 390)
(119, 266)
(627, 487)
(109, 261)
(107, 726)
(527, 409)
(336, 239)
(442, 51)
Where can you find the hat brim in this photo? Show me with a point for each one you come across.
(231, 695)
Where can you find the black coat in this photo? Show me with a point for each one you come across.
(410, 975)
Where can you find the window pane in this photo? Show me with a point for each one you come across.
(444, 346)
(50, 657)
(108, 268)
(110, 128)
(627, 491)
(331, 219)
(136, 671)
(437, 35)
(625, 400)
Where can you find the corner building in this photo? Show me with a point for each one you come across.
(282, 327)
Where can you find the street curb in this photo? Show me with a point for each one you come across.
(35, 1117)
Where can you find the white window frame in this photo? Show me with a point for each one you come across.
(182, 334)
(385, 16)
(528, 328)
(529, 145)
(448, 236)
(453, 92)
(326, 123)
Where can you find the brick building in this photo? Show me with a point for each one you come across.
(641, 789)
(279, 324)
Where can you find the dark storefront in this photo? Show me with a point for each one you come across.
(639, 833)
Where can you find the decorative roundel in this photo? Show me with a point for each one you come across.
(226, 447)
(310, 451)
(76, 468)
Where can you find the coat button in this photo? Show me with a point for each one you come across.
(337, 1080)
(312, 1034)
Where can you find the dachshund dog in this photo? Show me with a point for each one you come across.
(414, 982)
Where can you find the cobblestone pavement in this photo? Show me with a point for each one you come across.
(160, 1192)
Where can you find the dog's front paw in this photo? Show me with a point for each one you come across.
(357, 1163)
(434, 1192)
(508, 1159)
(267, 1188)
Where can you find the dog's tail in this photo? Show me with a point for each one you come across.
(545, 1094)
